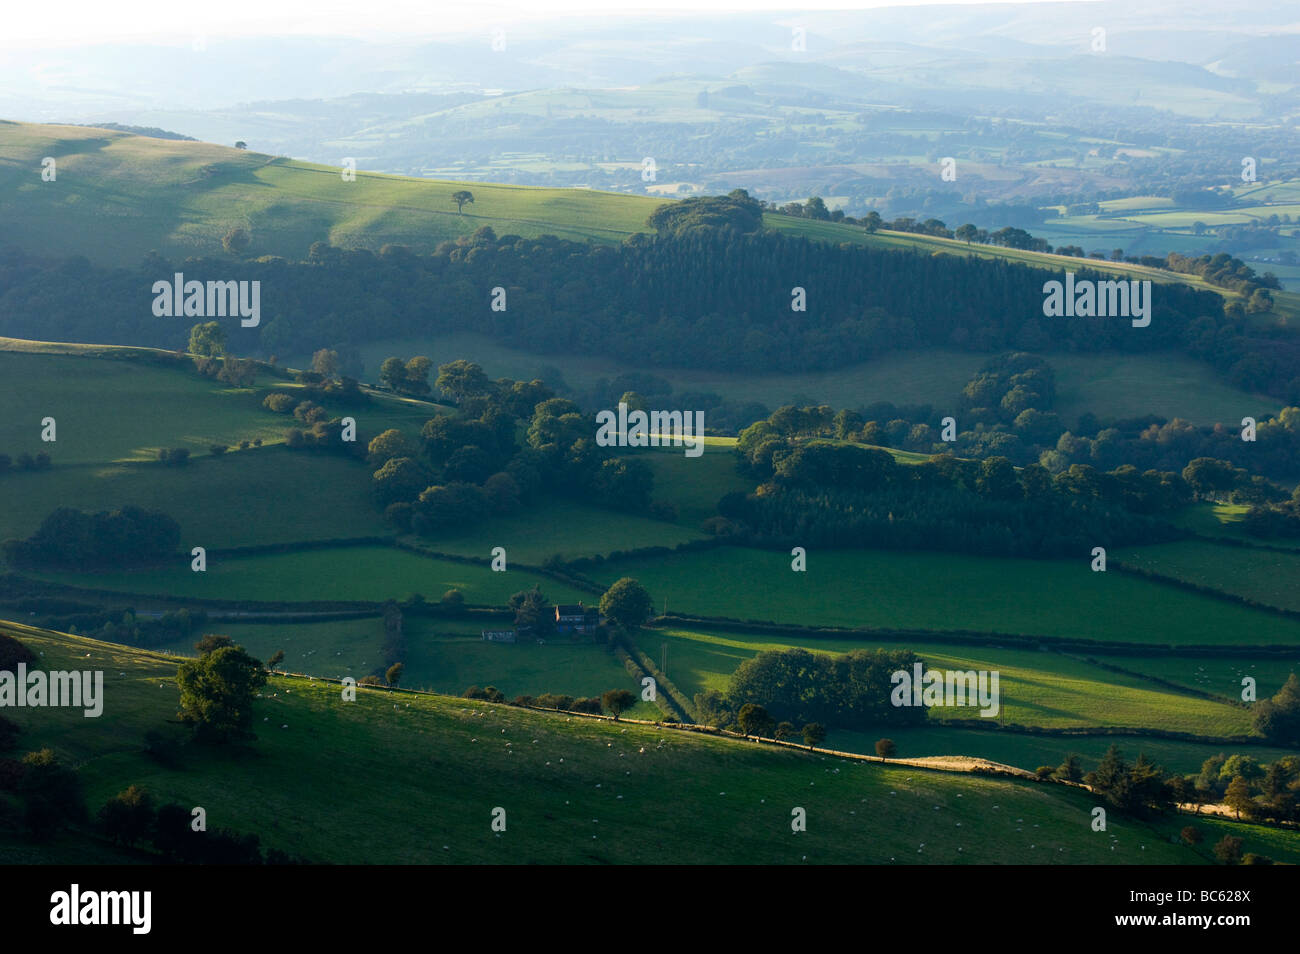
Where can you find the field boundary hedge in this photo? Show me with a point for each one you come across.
(989, 639)
(662, 682)
(1014, 728)
(667, 705)
(1203, 590)
(577, 582)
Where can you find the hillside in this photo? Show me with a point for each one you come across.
(412, 779)
(180, 198)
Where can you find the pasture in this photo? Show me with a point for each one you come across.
(369, 573)
(1046, 690)
(917, 590)
(1265, 576)
(575, 790)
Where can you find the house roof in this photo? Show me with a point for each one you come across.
(573, 609)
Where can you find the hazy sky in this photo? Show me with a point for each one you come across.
(80, 21)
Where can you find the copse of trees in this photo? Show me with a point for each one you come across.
(1139, 788)
(70, 538)
(850, 691)
(469, 464)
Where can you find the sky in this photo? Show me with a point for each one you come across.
(77, 22)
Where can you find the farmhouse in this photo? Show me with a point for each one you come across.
(576, 618)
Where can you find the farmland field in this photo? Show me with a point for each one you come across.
(1037, 689)
(950, 591)
(249, 497)
(1265, 576)
(371, 573)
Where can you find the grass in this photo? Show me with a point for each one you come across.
(1265, 576)
(1108, 385)
(868, 588)
(372, 573)
(422, 774)
(563, 527)
(150, 408)
(182, 197)
(244, 498)
(451, 662)
(1036, 689)
(1210, 674)
(1030, 751)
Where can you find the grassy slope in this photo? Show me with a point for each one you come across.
(421, 775)
(945, 591)
(182, 197)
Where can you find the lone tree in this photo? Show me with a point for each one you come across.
(208, 340)
(276, 659)
(236, 241)
(217, 694)
(241, 144)
(626, 603)
(754, 720)
(394, 674)
(814, 733)
(325, 362)
(616, 701)
(886, 748)
(461, 198)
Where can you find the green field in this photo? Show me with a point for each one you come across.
(243, 498)
(371, 573)
(150, 408)
(1264, 576)
(575, 790)
(1036, 689)
(559, 527)
(1210, 674)
(944, 592)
